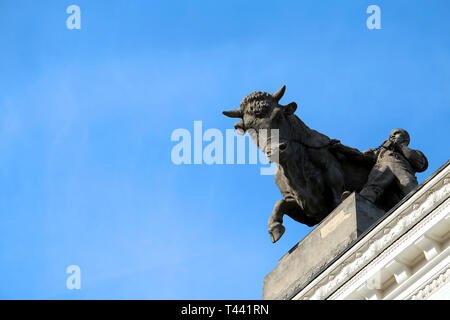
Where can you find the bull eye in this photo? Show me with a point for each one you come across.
(240, 127)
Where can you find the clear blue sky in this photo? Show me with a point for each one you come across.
(86, 116)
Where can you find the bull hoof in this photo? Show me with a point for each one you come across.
(276, 232)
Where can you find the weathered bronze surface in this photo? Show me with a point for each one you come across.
(315, 173)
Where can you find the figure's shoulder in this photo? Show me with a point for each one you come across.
(372, 150)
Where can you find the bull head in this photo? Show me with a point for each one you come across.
(260, 112)
(239, 113)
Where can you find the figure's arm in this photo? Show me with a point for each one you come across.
(337, 146)
(371, 154)
(415, 157)
(353, 153)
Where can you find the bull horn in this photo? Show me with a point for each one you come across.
(236, 113)
(279, 94)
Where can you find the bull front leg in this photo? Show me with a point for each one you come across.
(281, 207)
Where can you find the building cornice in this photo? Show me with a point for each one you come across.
(432, 286)
(417, 236)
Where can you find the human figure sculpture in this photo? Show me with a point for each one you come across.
(395, 163)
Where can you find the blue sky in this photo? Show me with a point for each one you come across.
(86, 118)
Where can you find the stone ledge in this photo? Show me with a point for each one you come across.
(340, 229)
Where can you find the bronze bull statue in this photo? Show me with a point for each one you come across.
(313, 171)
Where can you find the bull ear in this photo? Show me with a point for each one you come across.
(236, 113)
(279, 94)
(290, 108)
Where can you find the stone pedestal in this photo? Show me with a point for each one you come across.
(310, 256)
